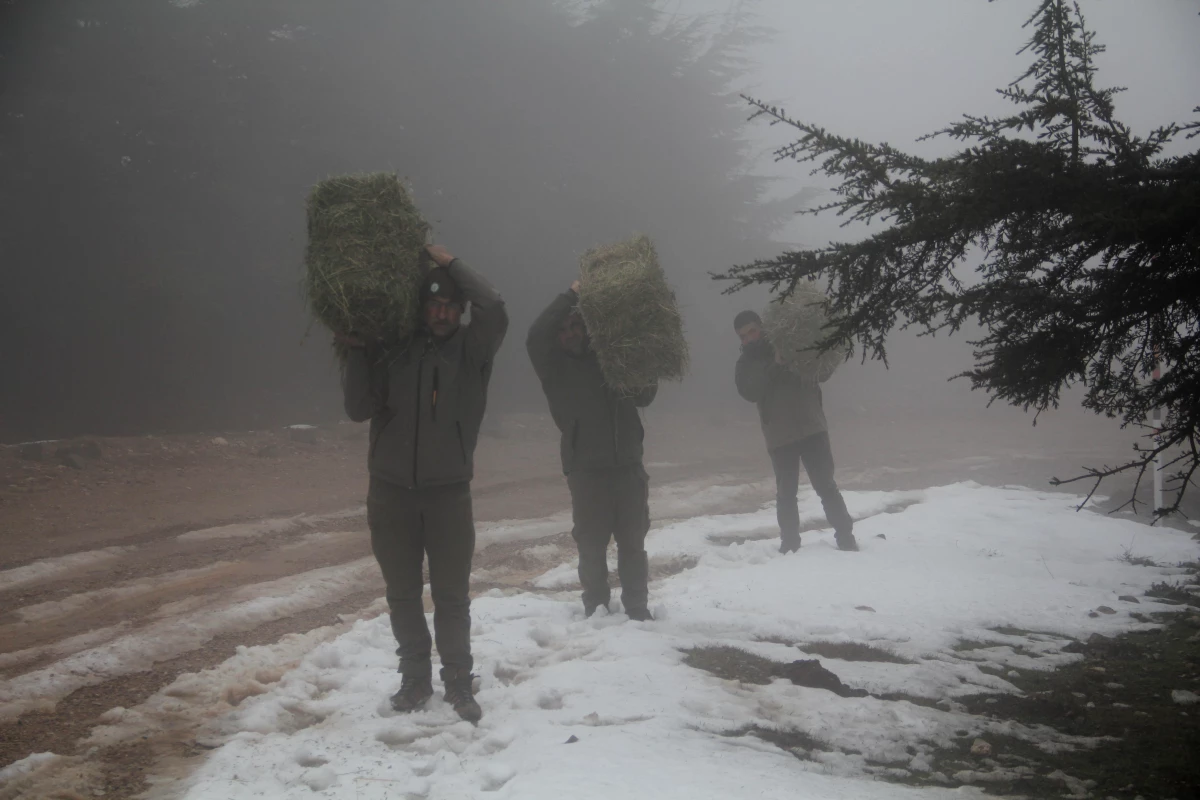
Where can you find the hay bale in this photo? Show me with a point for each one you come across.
(797, 323)
(631, 315)
(366, 245)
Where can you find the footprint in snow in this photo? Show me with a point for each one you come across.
(307, 758)
(550, 700)
(494, 776)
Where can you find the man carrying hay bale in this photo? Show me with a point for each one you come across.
(793, 423)
(425, 397)
(601, 451)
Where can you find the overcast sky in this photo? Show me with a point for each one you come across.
(894, 70)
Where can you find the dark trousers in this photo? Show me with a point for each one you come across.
(608, 504)
(407, 525)
(814, 452)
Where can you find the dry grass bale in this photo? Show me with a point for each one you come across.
(796, 324)
(631, 315)
(366, 241)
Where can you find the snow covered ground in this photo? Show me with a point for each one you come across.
(961, 585)
(603, 707)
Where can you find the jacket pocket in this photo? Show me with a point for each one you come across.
(462, 444)
(573, 444)
(377, 434)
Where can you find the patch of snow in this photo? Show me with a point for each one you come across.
(195, 699)
(265, 527)
(243, 609)
(688, 499)
(286, 33)
(320, 538)
(346, 513)
(508, 531)
(543, 551)
(25, 766)
(1185, 698)
(72, 604)
(64, 647)
(244, 529)
(53, 568)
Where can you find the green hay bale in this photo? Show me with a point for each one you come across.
(796, 324)
(631, 315)
(366, 243)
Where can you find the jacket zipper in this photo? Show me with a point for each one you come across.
(435, 392)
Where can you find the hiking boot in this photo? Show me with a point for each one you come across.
(588, 610)
(460, 695)
(639, 614)
(846, 541)
(789, 544)
(414, 692)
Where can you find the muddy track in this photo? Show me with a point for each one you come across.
(121, 769)
(232, 563)
(60, 730)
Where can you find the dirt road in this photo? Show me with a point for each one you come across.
(162, 559)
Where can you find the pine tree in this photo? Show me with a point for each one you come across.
(1085, 237)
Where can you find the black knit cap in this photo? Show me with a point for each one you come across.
(745, 318)
(439, 283)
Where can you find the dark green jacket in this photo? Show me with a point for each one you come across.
(789, 406)
(425, 398)
(600, 428)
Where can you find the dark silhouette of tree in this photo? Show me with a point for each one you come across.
(1085, 239)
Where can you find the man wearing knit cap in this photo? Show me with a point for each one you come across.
(793, 423)
(425, 398)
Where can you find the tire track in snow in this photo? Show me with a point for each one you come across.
(249, 607)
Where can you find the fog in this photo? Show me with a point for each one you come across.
(155, 156)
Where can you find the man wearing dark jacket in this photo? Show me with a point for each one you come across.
(425, 398)
(601, 452)
(793, 422)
